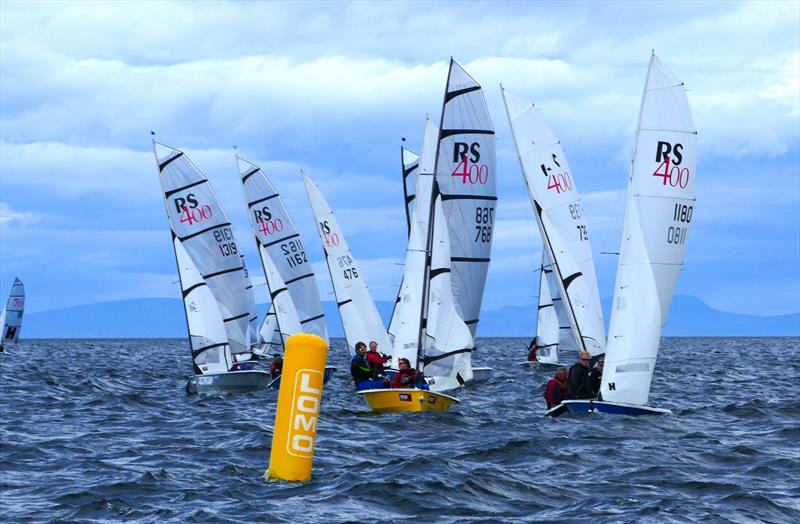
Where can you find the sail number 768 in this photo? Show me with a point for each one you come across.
(484, 219)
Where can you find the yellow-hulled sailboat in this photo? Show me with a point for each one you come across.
(394, 400)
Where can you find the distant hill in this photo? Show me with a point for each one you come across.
(163, 318)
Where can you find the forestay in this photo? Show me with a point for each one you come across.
(561, 221)
(208, 339)
(279, 244)
(448, 341)
(660, 203)
(199, 222)
(410, 291)
(11, 317)
(360, 317)
(466, 173)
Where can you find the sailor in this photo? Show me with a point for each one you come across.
(277, 366)
(596, 378)
(532, 350)
(557, 387)
(408, 377)
(363, 375)
(376, 360)
(579, 378)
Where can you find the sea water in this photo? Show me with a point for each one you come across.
(102, 430)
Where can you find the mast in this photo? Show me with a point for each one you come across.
(423, 323)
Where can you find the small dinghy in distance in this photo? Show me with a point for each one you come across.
(658, 213)
(211, 276)
(11, 317)
(569, 301)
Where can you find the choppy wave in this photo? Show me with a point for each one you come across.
(95, 431)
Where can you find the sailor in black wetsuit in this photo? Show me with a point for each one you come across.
(579, 378)
(596, 378)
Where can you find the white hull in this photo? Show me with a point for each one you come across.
(231, 382)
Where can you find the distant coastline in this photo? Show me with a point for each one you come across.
(163, 318)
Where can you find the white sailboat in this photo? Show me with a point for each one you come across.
(658, 214)
(208, 257)
(292, 285)
(270, 341)
(553, 333)
(565, 236)
(360, 317)
(11, 317)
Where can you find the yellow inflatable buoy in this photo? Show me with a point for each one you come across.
(296, 416)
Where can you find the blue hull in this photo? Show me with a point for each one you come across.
(612, 408)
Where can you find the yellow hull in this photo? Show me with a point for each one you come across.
(396, 400)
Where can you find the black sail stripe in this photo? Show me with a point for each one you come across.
(571, 278)
(468, 197)
(460, 379)
(301, 277)
(410, 198)
(468, 259)
(237, 317)
(254, 202)
(545, 305)
(196, 352)
(437, 272)
(280, 240)
(276, 293)
(168, 161)
(428, 360)
(547, 346)
(184, 188)
(473, 321)
(450, 132)
(249, 174)
(206, 230)
(312, 319)
(340, 304)
(187, 291)
(224, 271)
(458, 92)
(407, 171)
(254, 318)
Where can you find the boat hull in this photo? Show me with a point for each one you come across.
(398, 400)
(231, 382)
(531, 366)
(482, 374)
(600, 406)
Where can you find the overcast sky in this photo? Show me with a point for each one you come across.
(331, 88)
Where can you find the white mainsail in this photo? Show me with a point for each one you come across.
(281, 250)
(252, 326)
(411, 285)
(360, 317)
(199, 222)
(208, 338)
(270, 340)
(410, 163)
(548, 328)
(660, 202)
(448, 340)
(11, 317)
(561, 221)
(467, 176)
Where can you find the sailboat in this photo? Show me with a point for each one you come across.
(553, 333)
(292, 285)
(211, 277)
(567, 252)
(658, 215)
(467, 176)
(11, 317)
(360, 317)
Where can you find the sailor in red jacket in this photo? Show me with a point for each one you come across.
(557, 388)
(408, 377)
(376, 360)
